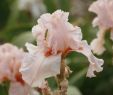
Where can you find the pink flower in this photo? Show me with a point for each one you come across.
(104, 20)
(55, 38)
(10, 61)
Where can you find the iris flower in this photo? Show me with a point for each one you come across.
(55, 37)
(104, 20)
(10, 61)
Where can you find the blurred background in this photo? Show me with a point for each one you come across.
(16, 20)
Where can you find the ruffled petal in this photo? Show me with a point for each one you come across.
(37, 67)
(96, 6)
(95, 64)
(96, 67)
(38, 31)
(60, 13)
(104, 11)
(55, 30)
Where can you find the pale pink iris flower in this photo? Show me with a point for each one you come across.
(104, 20)
(10, 61)
(55, 38)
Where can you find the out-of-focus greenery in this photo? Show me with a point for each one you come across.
(15, 27)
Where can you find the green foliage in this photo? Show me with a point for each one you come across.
(22, 38)
(72, 90)
(4, 88)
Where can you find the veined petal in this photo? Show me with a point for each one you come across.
(37, 67)
(60, 13)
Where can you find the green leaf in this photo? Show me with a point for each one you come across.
(72, 90)
(50, 5)
(4, 87)
(21, 39)
(78, 76)
(64, 5)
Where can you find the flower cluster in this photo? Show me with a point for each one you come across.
(55, 37)
(104, 20)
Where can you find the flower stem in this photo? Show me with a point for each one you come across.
(46, 90)
(62, 79)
